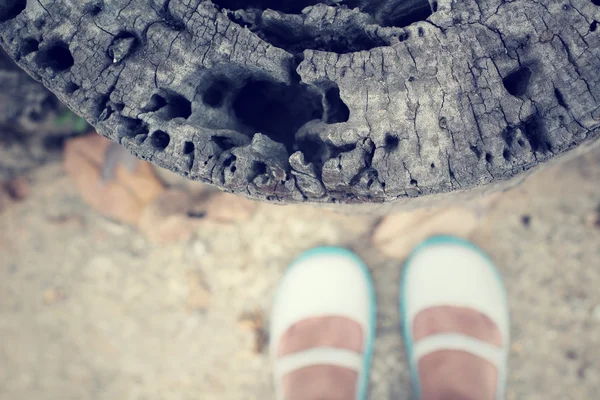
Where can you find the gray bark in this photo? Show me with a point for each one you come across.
(376, 102)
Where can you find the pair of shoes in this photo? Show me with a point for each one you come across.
(334, 282)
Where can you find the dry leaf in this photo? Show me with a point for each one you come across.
(228, 208)
(165, 220)
(122, 198)
(397, 234)
(167, 230)
(172, 180)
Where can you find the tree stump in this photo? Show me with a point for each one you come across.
(324, 101)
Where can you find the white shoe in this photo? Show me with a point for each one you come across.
(326, 281)
(449, 271)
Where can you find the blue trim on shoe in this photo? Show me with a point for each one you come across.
(363, 384)
(433, 241)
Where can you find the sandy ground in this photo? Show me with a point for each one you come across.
(89, 309)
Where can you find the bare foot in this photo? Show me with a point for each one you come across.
(321, 381)
(456, 375)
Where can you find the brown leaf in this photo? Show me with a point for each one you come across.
(123, 198)
(397, 234)
(165, 220)
(228, 208)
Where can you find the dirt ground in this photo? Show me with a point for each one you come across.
(90, 309)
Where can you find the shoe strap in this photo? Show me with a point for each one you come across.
(316, 356)
(459, 342)
(497, 356)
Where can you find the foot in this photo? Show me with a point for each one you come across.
(455, 321)
(456, 375)
(321, 381)
(322, 327)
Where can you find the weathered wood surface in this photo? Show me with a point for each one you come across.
(326, 104)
